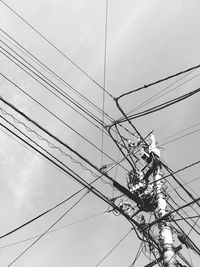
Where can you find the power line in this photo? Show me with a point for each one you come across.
(193, 180)
(104, 79)
(54, 115)
(137, 255)
(55, 230)
(85, 184)
(49, 228)
(51, 72)
(53, 136)
(179, 170)
(178, 132)
(56, 48)
(160, 106)
(187, 218)
(58, 90)
(159, 81)
(41, 214)
(74, 175)
(182, 200)
(51, 145)
(53, 86)
(180, 137)
(118, 243)
(153, 98)
(174, 211)
(41, 138)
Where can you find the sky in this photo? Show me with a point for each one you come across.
(146, 41)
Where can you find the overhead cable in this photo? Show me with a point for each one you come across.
(159, 95)
(160, 106)
(56, 76)
(49, 228)
(159, 81)
(51, 72)
(180, 137)
(56, 48)
(55, 88)
(54, 230)
(52, 113)
(118, 243)
(104, 80)
(74, 175)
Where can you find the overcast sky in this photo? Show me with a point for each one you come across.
(146, 41)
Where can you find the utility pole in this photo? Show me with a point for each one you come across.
(166, 238)
(149, 198)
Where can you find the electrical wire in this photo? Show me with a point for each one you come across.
(188, 223)
(153, 98)
(55, 230)
(56, 48)
(179, 183)
(178, 132)
(187, 218)
(160, 106)
(51, 72)
(41, 138)
(54, 137)
(137, 255)
(159, 81)
(193, 180)
(179, 170)
(54, 115)
(74, 175)
(41, 214)
(49, 228)
(55, 88)
(96, 192)
(118, 243)
(180, 137)
(51, 145)
(174, 211)
(185, 202)
(60, 91)
(104, 79)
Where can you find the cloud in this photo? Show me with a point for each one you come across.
(27, 182)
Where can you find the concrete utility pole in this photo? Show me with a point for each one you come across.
(166, 238)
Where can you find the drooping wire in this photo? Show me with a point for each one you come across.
(49, 228)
